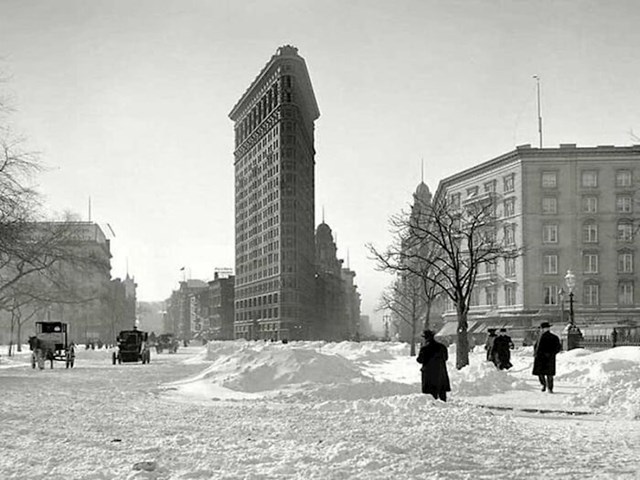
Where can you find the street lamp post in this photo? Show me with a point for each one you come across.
(561, 294)
(574, 335)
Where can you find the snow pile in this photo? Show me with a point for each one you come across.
(482, 378)
(312, 372)
(611, 378)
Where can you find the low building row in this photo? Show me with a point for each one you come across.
(206, 309)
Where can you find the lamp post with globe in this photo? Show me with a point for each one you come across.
(574, 335)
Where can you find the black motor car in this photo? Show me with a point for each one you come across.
(132, 347)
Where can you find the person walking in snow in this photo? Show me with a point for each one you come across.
(544, 351)
(488, 345)
(433, 356)
(502, 346)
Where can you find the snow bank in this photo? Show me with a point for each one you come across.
(312, 372)
(611, 378)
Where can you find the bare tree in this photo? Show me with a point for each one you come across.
(408, 302)
(39, 260)
(446, 244)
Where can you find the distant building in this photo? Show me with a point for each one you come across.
(426, 316)
(352, 303)
(332, 321)
(366, 327)
(183, 307)
(151, 315)
(76, 289)
(274, 161)
(568, 208)
(217, 308)
(122, 302)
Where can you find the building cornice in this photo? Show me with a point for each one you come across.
(526, 153)
(284, 53)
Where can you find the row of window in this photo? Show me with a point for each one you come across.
(589, 204)
(589, 179)
(590, 263)
(552, 295)
(624, 232)
(549, 179)
(275, 95)
(590, 293)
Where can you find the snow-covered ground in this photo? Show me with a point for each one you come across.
(315, 410)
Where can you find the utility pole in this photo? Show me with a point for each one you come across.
(539, 114)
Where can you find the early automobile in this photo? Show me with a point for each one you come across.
(168, 342)
(51, 343)
(132, 346)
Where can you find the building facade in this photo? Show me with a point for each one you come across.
(566, 208)
(337, 300)
(217, 308)
(274, 162)
(182, 316)
(72, 283)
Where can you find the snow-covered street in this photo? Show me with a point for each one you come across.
(312, 410)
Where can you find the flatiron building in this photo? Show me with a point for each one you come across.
(274, 159)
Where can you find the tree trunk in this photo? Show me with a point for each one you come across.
(427, 318)
(414, 324)
(462, 349)
(19, 342)
(10, 351)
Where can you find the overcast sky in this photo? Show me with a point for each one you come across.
(128, 103)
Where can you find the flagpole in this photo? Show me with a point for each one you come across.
(539, 114)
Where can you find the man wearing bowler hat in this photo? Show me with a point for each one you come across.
(545, 350)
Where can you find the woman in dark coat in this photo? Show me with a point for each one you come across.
(433, 357)
(545, 350)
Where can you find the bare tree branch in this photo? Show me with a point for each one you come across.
(446, 244)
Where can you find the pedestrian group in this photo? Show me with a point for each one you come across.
(433, 357)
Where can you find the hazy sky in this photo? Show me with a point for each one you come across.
(128, 103)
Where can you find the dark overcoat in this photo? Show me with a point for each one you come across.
(545, 350)
(502, 346)
(433, 356)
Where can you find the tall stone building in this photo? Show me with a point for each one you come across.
(274, 161)
(567, 208)
(330, 321)
(75, 287)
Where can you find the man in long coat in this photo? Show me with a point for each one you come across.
(433, 356)
(545, 350)
(501, 350)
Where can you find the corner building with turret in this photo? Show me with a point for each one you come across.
(274, 161)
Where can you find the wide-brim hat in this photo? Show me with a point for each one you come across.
(545, 325)
(428, 334)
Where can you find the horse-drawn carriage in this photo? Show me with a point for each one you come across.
(51, 343)
(168, 342)
(132, 346)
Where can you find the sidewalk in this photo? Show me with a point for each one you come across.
(534, 400)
